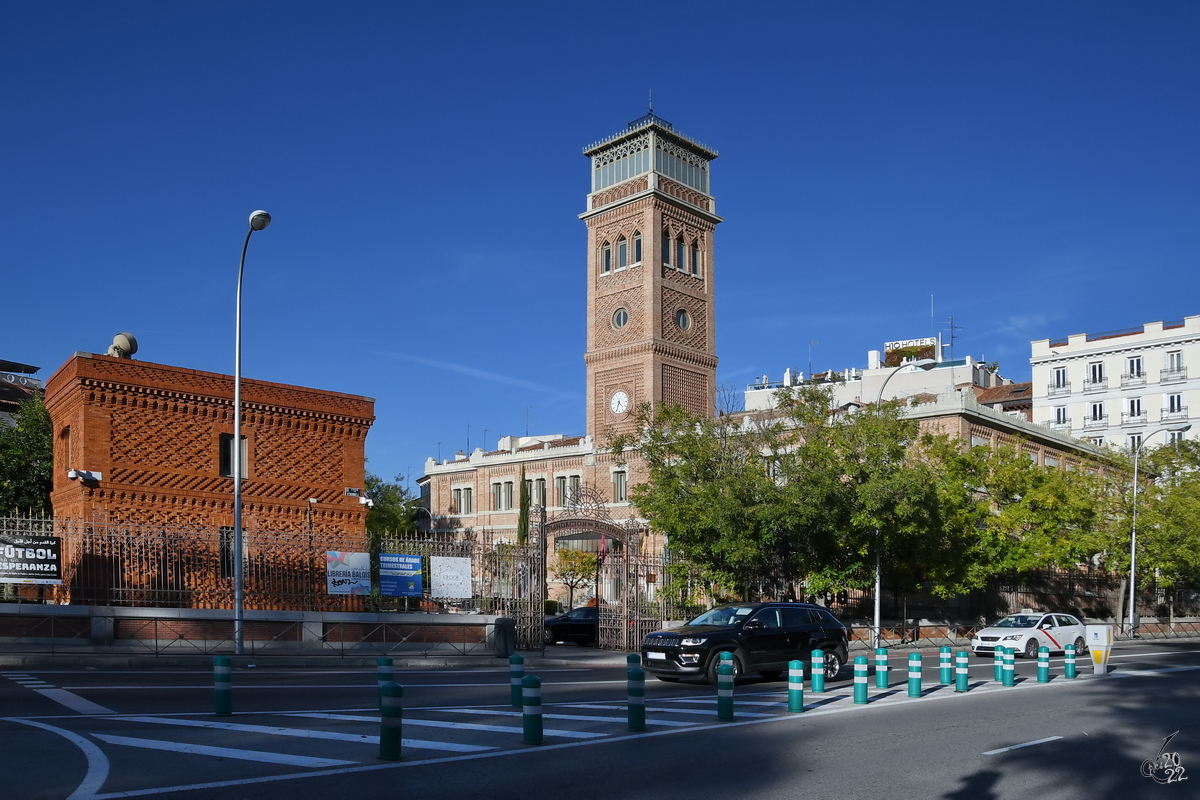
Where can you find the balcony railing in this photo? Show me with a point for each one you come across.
(1091, 423)
(1129, 418)
(1177, 414)
(1133, 379)
(1095, 386)
(1059, 390)
(1173, 375)
(1060, 425)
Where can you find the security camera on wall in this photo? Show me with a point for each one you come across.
(123, 346)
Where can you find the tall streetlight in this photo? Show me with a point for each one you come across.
(258, 221)
(1137, 452)
(922, 364)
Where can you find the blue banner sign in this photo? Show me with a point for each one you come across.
(399, 576)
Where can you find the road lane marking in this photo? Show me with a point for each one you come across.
(1024, 744)
(713, 701)
(599, 707)
(305, 733)
(470, 726)
(97, 762)
(224, 752)
(74, 701)
(372, 686)
(580, 717)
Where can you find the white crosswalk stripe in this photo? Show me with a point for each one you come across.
(580, 717)
(223, 752)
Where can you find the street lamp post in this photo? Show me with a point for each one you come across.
(923, 364)
(1137, 452)
(258, 221)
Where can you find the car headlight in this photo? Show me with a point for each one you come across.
(692, 642)
(1013, 637)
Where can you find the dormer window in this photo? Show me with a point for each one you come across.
(606, 258)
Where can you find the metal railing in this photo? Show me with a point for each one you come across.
(1129, 418)
(1090, 423)
(1095, 386)
(1173, 375)
(1175, 414)
(1133, 379)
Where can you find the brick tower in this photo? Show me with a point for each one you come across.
(651, 335)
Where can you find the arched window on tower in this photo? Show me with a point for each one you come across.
(680, 254)
(606, 257)
(695, 257)
(666, 247)
(622, 253)
(637, 247)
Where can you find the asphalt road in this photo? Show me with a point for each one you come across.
(311, 733)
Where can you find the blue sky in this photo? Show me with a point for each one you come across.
(1033, 165)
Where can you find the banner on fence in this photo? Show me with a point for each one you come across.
(347, 573)
(449, 577)
(31, 559)
(399, 576)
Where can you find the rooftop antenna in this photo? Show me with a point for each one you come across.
(953, 336)
(485, 433)
(932, 324)
(468, 437)
(527, 419)
(810, 347)
(652, 101)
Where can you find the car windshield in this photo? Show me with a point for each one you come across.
(1018, 621)
(725, 615)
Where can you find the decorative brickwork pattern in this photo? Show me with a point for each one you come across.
(178, 441)
(690, 196)
(697, 333)
(686, 388)
(617, 192)
(632, 301)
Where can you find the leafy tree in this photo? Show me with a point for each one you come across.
(395, 508)
(1168, 515)
(575, 568)
(27, 460)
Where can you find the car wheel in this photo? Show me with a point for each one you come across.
(667, 678)
(1080, 646)
(1031, 648)
(771, 674)
(716, 662)
(833, 665)
(549, 638)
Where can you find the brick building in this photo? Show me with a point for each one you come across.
(159, 441)
(651, 337)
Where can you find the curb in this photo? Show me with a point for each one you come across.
(99, 661)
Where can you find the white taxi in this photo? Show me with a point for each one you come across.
(1029, 630)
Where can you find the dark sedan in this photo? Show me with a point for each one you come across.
(577, 625)
(763, 638)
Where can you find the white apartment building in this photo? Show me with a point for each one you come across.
(1114, 388)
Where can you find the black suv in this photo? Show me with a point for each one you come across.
(763, 638)
(577, 625)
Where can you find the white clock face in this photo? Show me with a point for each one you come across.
(619, 403)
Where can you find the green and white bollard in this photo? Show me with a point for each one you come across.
(637, 699)
(881, 668)
(914, 674)
(1043, 664)
(796, 686)
(960, 670)
(726, 659)
(633, 661)
(1069, 661)
(222, 686)
(516, 671)
(390, 720)
(818, 671)
(725, 693)
(531, 718)
(860, 679)
(384, 674)
(998, 664)
(1010, 667)
(945, 671)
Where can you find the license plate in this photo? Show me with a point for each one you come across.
(656, 656)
